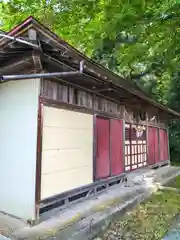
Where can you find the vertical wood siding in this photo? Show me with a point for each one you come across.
(66, 94)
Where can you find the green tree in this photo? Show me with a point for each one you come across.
(139, 39)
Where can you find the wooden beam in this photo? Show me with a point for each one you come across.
(32, 34)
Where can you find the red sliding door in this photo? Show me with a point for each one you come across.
(153, 145)
(163, 147)
(109, 147)
(156, 145)
(151, 159)
(116, 143)
(102, 148)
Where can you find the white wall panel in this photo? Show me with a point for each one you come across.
(18, 136)
(70, 140)
(62, 181)
(55, 117)
(67, 157)
(51, 158)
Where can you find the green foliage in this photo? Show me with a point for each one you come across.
(148, 221)
(175, 183)
(130, 37)
(138, 39)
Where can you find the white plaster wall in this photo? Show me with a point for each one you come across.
(67, 156)
(18, 137)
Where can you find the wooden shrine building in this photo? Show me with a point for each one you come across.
(69, 128)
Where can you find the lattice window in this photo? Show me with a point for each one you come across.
(127, 147)
(135, 147)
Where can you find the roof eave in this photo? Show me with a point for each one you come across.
(107, 75)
